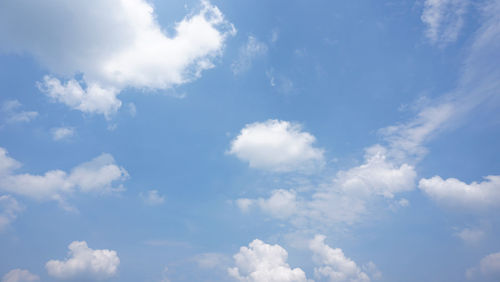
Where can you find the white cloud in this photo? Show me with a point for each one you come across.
(83, 261)
(60, 133)
(263, 262)
(444, 19)
(252, 49)
(471, 235)
(12, 114)
(9, 209)
(377, 175)
(281, 204)
(455, 193)
(278, 146)
(97, 175)
(345, 198)
(119, 46)
(334, 265)
(20, 275)
(152, 197)
(489, 268)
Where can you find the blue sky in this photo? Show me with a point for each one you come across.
(249, 141)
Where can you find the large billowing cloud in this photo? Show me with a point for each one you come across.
(278, 146)
(333, 264)
(113, 44)
(84, 262)
(455, 193)
(263, 262)
(20, 275)
(97, 175)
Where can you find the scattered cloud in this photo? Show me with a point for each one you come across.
(444, 20)
(471, 235)
(212, 260)
(84, 262)
(334, 265)
(122, 47)
(278, 146)
(263, 262)
(280, 82)
(152, 198)
(247, 53)
(12, 113)
(60, 133)
(20, 275)
(487, 270)
(9, 209)
(97, 175)
(455, 193)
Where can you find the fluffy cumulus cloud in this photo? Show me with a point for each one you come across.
(152, 198)
(334, 265)
(61, 133)
(9, 210)
(252, 49)
(12, 112)
(278, 146)
(346, 197)
(110, 45)
(97, 175)
(444, 19)
(487, 270)
(455, 193)
(20, 275)
(85, 262)
(263, 262)
(377, 175)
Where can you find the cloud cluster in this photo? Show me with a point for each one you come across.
(61, 133)
(278, 146)
(95, 176)
(334, 265)
(20, 275)
(84, 262)
(112, 44)
(263, 262)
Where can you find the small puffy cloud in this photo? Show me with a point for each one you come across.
(263, 262)
(61, 133)
(471, 235)
(278, 146)
(334, 265)
(281, 204)
(152, 198)
(457, 194)
(20, 275)
(83, 261)
(122, 47)
(487, 270)
(97, 175)
(252, 49)
(9, 209)
(444, 20)
(12, 113)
